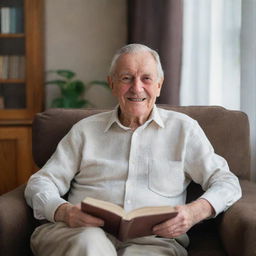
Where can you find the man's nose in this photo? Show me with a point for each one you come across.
(137, 85)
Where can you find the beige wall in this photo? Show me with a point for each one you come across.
(82, 35)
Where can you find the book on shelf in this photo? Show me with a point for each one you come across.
(1, 67)
(17, 22)
(12, 20)
(12, 25)
(122, 225)
(5, 19)
(4, 63)
(12, 67)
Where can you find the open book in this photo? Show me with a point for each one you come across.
(122, 225)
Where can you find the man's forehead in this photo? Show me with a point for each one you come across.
(136, 56)
(143, 62)
(132, 72)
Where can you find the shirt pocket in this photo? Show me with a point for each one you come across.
(166, 178)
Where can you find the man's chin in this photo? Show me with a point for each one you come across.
(139, 109)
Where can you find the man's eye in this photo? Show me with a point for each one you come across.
(147, 79)
(126, 79)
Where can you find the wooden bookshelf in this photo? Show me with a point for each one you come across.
(21, 87)
(12, 35)
(12, 81)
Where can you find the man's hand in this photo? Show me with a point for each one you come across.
(188, 215)
(74, 217)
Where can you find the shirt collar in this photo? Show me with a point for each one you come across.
(113, 118)
(154, 116)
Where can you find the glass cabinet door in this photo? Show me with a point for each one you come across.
(12, 55)
(21, 68)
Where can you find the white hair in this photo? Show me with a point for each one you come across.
(135, 48)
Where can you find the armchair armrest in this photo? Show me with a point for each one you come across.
(16, 223)
(238, 224)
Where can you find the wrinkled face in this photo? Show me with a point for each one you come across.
(136, 84)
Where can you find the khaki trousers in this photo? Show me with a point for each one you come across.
(56, 239)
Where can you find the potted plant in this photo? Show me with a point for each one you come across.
(72, 89)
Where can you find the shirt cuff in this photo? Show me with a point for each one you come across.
(51, 207)
(217, 204)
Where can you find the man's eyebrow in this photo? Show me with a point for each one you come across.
(147, 74)
(125, 73)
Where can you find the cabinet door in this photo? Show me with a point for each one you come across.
(16, 164)
(21, 59)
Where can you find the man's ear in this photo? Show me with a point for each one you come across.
(110, 82)
(159, 86)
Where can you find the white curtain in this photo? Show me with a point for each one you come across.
(217, 67)
(248, 72)
(211, 53)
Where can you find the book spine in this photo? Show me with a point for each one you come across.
(5, 67)
(19, 20)
(13, 20)
(12, 67)
(22, 68)
(5, 20)
(124, 229)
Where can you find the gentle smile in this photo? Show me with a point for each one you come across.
(136, 99)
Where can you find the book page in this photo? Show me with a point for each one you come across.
(145, 211)
(105, 205)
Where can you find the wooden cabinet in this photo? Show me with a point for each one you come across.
(21, 86)
(15, 156)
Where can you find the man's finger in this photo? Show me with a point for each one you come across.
(91, 220)
(164, 225)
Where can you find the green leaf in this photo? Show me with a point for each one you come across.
(78, 86)
(60, 83)
(80, 103)
(67, 102)
(73, 103)
(57, 103)
(71, 90)
(70, 94)
(66, 73)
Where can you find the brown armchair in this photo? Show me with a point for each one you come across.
(232, 233)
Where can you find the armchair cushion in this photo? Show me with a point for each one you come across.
(238, 225)
(16, 223)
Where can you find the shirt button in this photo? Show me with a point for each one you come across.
(128, 201)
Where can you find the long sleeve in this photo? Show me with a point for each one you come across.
(45, 188)
(210, 170)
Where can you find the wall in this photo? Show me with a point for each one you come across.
(82, 35)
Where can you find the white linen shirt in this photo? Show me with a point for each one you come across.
(150, 166)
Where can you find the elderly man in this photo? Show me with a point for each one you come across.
(136, 155)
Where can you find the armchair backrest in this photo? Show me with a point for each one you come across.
(227, 130)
